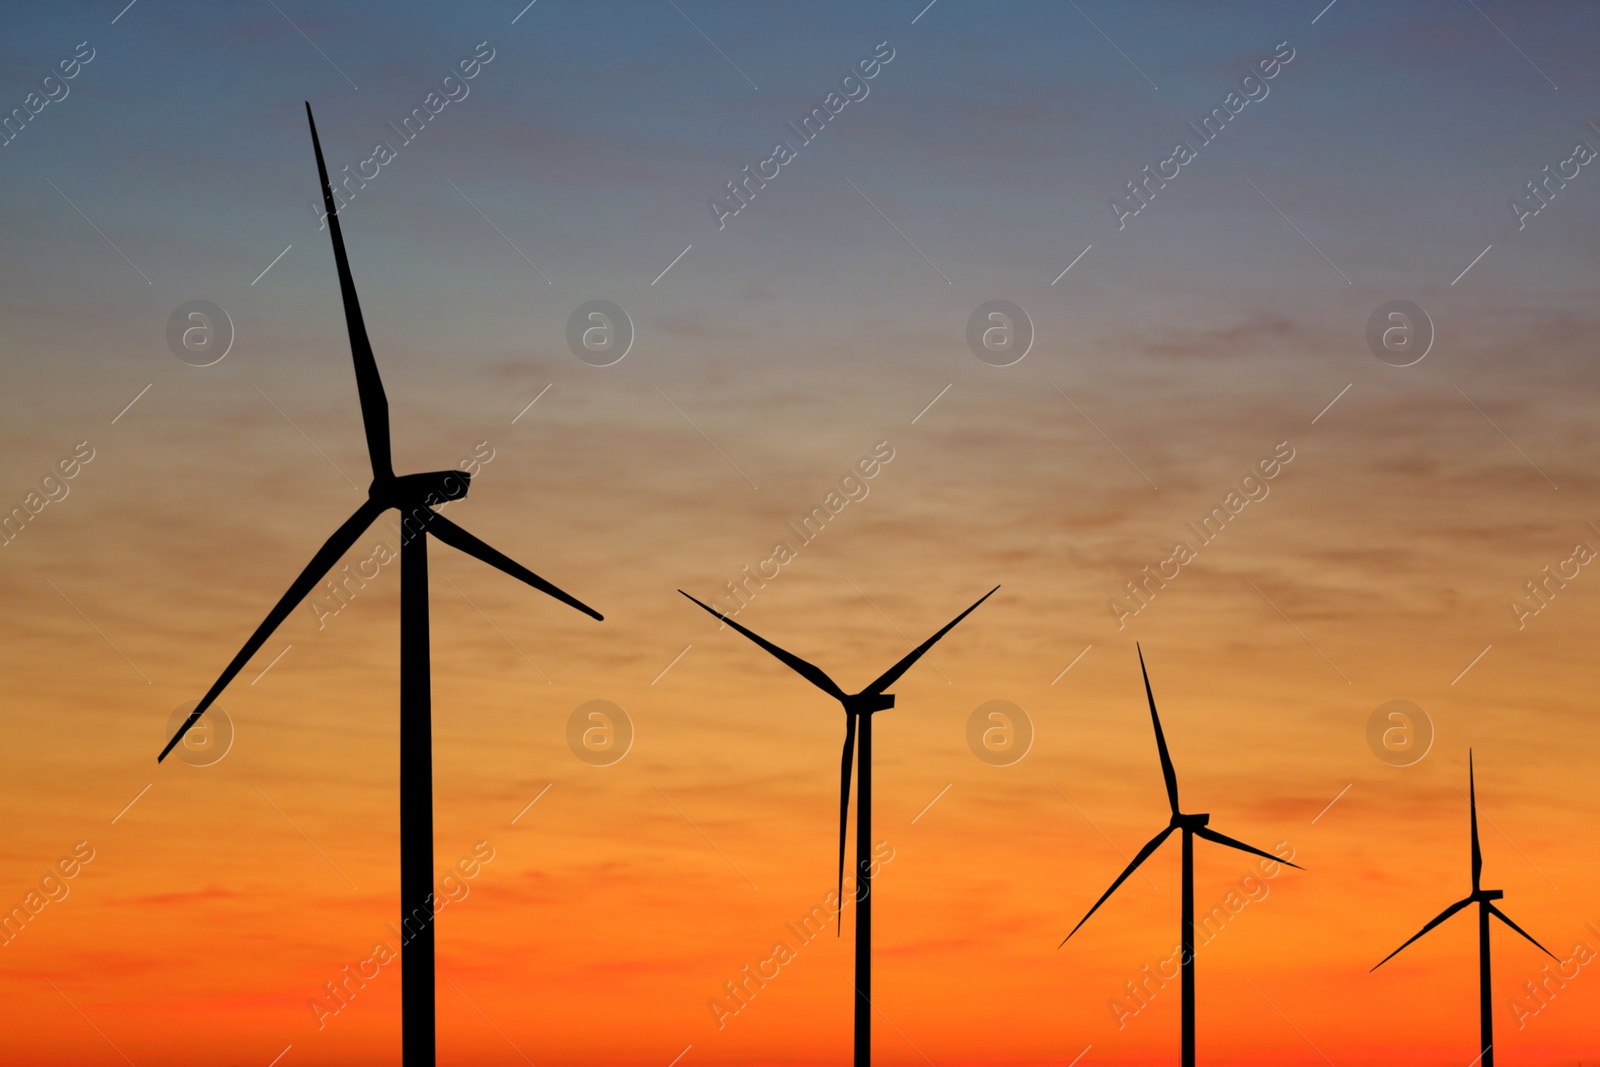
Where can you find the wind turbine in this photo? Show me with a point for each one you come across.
(857, 706)
(1192, 826)
(1485, 899)
(414, 495)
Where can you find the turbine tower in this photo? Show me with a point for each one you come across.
(414, 496)
(1485, 899)
(1193, 826)
(858, 707)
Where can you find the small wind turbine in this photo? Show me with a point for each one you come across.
(860, 706)
(415, 496)
(1485, 899)
(1192, 826)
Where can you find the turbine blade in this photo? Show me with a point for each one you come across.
(374, 404)
(1503, 917)
(459, 539)
(844, 804)
(1472, 800)
(321, 563)
(1441, 917)
(1223, 839)
(809, 671)
(890, 676)
(1167, 771)
(1144, 854)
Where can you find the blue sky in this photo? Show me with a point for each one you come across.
(993, 141)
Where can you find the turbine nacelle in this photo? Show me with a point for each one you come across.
(867, 703)
(409, 491)
(1191, 822)
(1488, 894)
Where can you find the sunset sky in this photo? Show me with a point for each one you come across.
(1223, 324)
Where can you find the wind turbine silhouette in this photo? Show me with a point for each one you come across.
(1192, 826)
(1485, 899)
(414, 495)
(860, 706)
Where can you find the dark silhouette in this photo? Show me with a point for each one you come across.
(415, 496)
(856, 706)
(1485, 899)
(1192, 826)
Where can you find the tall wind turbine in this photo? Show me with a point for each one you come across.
(858, 740)
(1192, 826)
(1485, 899)
(415, 496)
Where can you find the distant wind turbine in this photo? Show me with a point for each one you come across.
(1485, 899)
(414, 495)
(1192, 826)
(857, 706)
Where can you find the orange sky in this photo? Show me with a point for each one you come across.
(205, 910)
